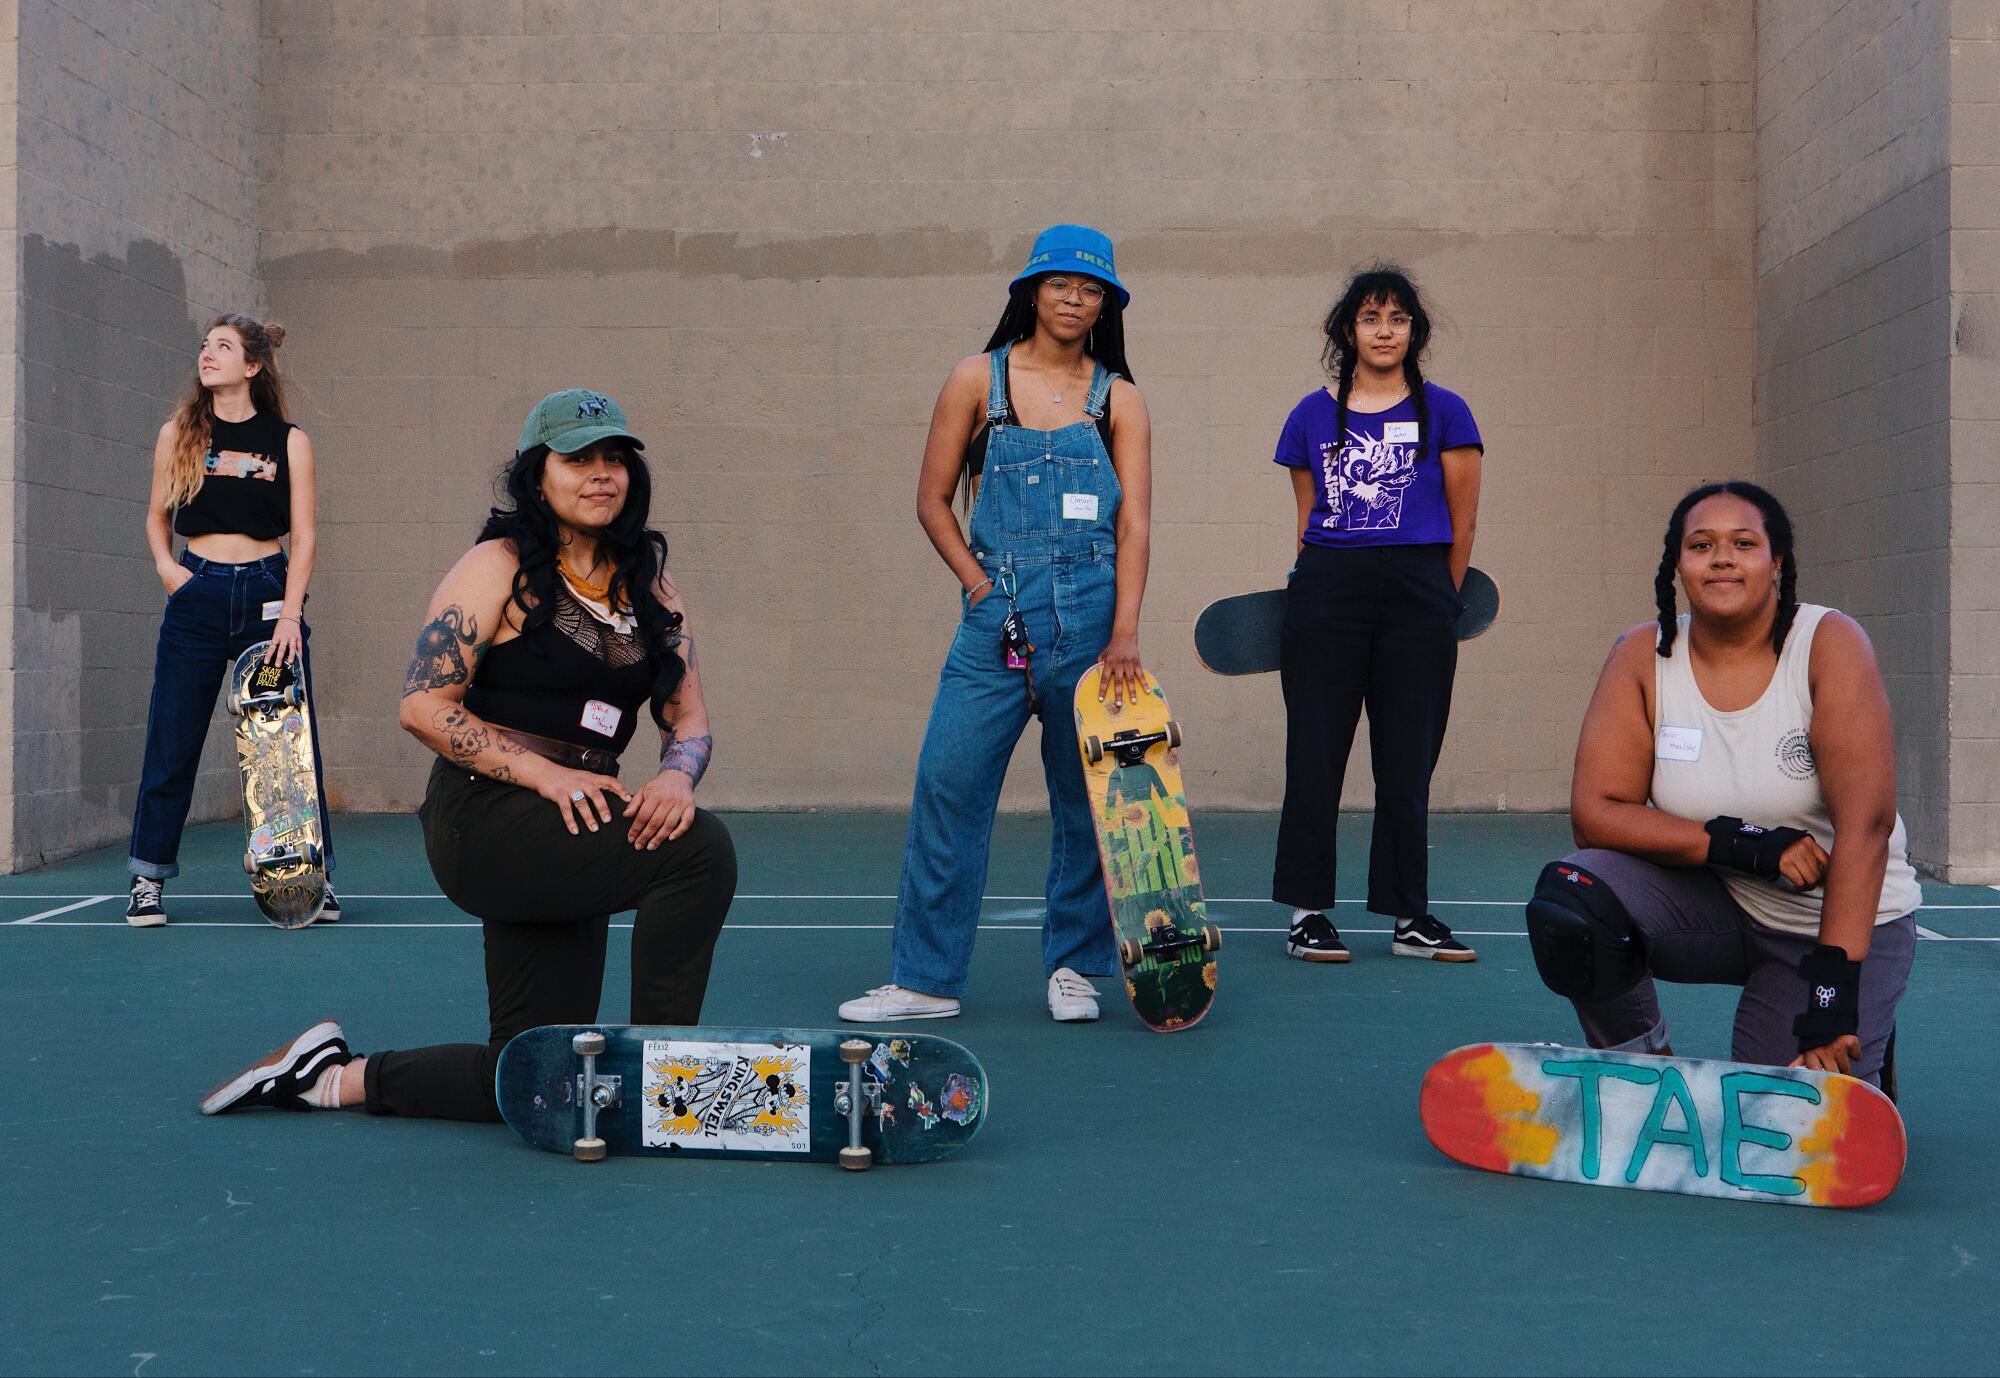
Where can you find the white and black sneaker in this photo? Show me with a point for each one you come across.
(144, 908)
(1426, 937)
(331, 913)
(284, 1076)
(1315, 939)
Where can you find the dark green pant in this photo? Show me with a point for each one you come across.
(502, 854)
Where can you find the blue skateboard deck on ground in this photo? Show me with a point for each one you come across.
(742, 1093)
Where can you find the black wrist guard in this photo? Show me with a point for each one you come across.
(1833, 997)
(1748, 848)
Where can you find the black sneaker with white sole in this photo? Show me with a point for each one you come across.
(1315, 939)
(1426, 937)
(144, 909)
(282, 1077)
(331, 913)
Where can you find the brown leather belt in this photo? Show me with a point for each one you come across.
(594, 759)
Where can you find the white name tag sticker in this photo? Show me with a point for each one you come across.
(602, 718)
(1080, 507)
(1677, 743)
(273, 608)
(1400, 432)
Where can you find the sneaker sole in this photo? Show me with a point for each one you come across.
(1074, 1018)
(234, 1089)
(878, 1018)
(146, 920)
(1309, 954)
(1431, 954)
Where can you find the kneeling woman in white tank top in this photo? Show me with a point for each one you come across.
(1735, 800)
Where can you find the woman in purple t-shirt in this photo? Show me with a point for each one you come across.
(1385, 467)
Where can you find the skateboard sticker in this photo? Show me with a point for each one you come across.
(960, 1101)
(727, 1095)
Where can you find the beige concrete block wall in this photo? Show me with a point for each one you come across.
(10, 366)
(771, 226)
(136, 217)
(1975, 440)
(1854, 376)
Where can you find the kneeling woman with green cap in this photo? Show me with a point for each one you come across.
(544, 644)
(1055, 447)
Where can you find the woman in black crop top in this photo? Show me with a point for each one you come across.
(544, 644)
(232, 476)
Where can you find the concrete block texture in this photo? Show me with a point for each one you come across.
(771, 227)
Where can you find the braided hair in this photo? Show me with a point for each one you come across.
(1777, 528)
(1384, 285)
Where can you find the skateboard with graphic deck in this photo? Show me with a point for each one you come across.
(1680, 1124)
(804, 1095)
(1242, 635)
(1131, 767)
(284, 834)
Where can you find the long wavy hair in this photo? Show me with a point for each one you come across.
(1384, 285)
(638, 552)
(1777, 529)
(194, 418)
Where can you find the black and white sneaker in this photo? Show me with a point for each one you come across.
(282, 1077)
(144, 909)
(1426, 937)
(331, 913)
(1315, 939)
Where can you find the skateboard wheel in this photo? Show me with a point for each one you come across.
(235, 705)
(1173, 733)
(589, 1045)
(1211, 938)
(314, 856)
(589, 1150)
(855, 1159)
(291, 695)
(1130, 952)
(855, 1050)
(249, 863)
(1093, 750)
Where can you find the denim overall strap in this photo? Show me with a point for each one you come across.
(1100, 393)
(996, 389)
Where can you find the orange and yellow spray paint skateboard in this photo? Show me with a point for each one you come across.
(1679, 1124)
(1131, 765)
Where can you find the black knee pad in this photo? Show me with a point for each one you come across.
(1586, 945)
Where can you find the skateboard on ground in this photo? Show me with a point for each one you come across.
(1131, 765)
(1240, 635)
(1680, 1124)
(807, 1095)
(285, 855)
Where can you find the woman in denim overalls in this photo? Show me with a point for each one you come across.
(1057, 448)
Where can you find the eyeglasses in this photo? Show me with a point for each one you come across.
(1091, 293)
(1372, 320)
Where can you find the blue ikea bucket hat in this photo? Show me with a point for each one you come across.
(1073, 249)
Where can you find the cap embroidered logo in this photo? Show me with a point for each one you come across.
(592, 405)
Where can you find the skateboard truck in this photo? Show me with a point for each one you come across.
(1130, 746)
(1131, 951)
(308, 855)
(593, 1093)
(847, 1101)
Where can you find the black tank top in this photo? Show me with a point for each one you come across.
(246, 482)
(572, 678)
(975, 448)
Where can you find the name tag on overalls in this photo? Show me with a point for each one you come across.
(1080, 507)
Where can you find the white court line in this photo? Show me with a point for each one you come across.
(64, 909)
(1923, 932)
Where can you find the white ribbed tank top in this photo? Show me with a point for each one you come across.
(1757, 764)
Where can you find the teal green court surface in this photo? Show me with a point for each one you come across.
(1252, 1196)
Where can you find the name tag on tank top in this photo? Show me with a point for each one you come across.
(602, 718)
(1080, 507)
(1677, 743)
(1399, 433)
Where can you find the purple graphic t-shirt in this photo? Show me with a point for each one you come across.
(1382, 482)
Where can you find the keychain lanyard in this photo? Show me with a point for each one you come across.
(1014, 643)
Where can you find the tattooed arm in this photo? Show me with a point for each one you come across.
(664, 806)
(465, 614)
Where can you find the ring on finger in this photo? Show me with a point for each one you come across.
(576, 796)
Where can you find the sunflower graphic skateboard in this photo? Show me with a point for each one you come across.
(1679, 1124)
(284, 834)
(803, 1095)
(1131, 766)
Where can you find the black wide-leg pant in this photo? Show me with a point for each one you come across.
(1375, 628)
(502, 854)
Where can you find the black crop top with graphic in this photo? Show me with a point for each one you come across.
(246, 482)
(975, 449)
(572, 678)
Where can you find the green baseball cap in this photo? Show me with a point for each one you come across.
(574, 419)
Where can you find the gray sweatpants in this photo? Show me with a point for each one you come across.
(1698, 934)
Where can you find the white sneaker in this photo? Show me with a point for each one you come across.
(1071, 998)
(893, 1002)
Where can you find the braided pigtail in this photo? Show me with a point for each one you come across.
(1663, 590)
(1413, 378)
(1788, 584)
